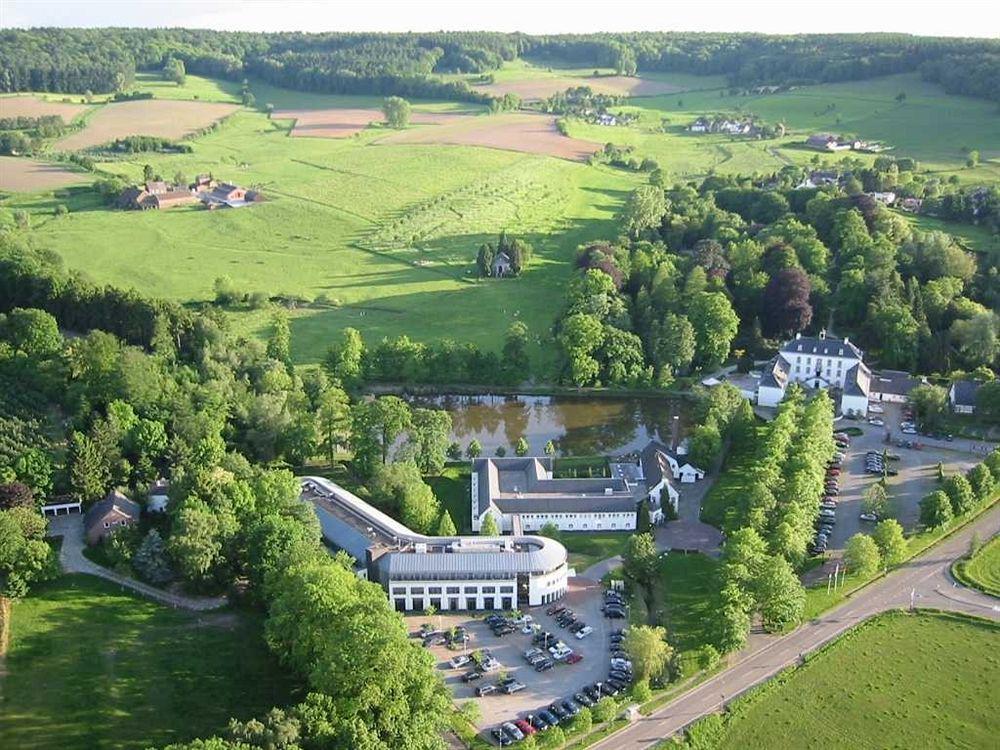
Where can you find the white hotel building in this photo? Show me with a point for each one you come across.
(447, 573)
(818, 362)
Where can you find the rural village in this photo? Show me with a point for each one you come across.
(615, 390)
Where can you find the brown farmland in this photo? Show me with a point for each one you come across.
(29, 106)
(27, 175)
(163, 118)
(532, 134)
(542, 88)
(343, 123)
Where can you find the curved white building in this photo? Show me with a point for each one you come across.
(447, 573)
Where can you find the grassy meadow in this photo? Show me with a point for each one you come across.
(900, 680)
(384, 236)
(982, 570)
(92, 667)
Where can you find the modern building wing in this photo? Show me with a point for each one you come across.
(447, 573)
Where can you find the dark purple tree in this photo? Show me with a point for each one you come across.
(16, 495)
(786, 305)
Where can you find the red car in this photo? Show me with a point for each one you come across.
(574, 658)
(832, 472)
(525, 727)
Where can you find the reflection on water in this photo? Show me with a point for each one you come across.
(578, 426)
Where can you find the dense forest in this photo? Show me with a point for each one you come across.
(700, 272)
(105, 60)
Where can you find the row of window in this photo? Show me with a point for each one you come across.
(431, 590)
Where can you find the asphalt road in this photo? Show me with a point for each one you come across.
(926, 581)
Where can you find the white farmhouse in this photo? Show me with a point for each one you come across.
(818, 362)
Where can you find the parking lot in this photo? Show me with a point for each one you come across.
(584, 597)
(917, 475)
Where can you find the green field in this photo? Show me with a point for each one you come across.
(384, 237)
(92, 667)
(900, 681)
(586, 549)
(982, 571)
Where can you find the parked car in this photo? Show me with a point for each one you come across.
(538, 722)
(876, 409)
(609, 689)
(583, 699)
(593, 692)
(544, 665)
(550, 717)
(827, 505)
(558, 711)
(486, 690)
(502, 736)
(459, 661)
(472, 676)
(512, 730)
(876, 422)
(870, 517)
(615, 614)
(570, 707)
(574, 658)
(526, 729)
(555, 610)
(513, 687)
(584, 632)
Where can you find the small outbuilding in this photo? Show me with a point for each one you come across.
(962, 396)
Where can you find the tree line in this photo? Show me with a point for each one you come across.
(105, 60)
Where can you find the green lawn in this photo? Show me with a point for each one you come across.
(982, 571)
(452, 491)
(900, 681)
(732, 483)
(683, 598)
(388, 234)
(92, 667)
(586, 549)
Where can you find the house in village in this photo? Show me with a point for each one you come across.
(828, 142)
(724, 125)
(911, 205)
(228, 195)
(886, 198)
(962, 396)
(818, 362)
(893, 386)
(110, 514)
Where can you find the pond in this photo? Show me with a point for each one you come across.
(578, 426)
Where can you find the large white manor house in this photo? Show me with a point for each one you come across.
(818, 362)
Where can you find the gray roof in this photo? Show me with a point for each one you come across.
(115, 502)
(823, 345)
(857, 381)
(895, 382)
(521, 485)
(775, 373)
(964, 392)
(352, 524)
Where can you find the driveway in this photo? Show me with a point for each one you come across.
(70, 528)
(924, 581)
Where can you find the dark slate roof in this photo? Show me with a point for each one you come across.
(965, 392)
(115, 501)
(826, 346)
(894, 381)
(857, 381)
(567, 504)
(775, 373)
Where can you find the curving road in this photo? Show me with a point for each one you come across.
(926, 579)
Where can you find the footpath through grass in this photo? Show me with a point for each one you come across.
(900, 680)
(92, 667)
(982, 570)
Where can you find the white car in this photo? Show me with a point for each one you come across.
(868, 517)
(908, 430)
(584, 632)
(459, 661)
(876, 422)
(876, 409)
